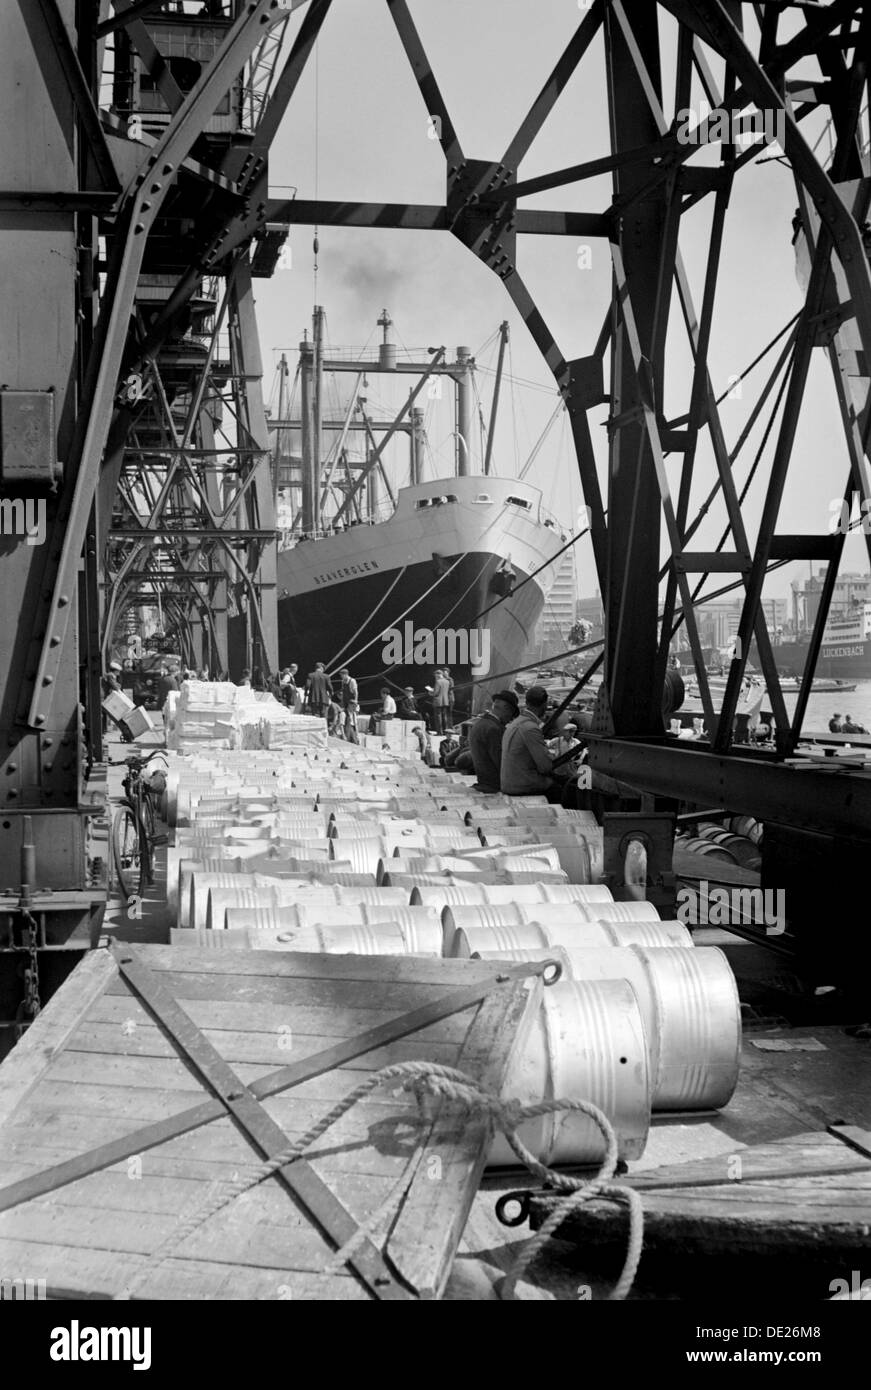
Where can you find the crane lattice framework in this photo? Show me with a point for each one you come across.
(136, 209)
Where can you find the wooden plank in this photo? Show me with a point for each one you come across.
(44, 1040)
(427, 1232)
(791, 1196)
(97, 1273)
(805, 1155)
(243, 1018)
(252, 990)
(301, 965)
(159, 1192)
(268, 1047)
(373, 1152)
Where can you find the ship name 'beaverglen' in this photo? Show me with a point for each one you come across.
(347, 572)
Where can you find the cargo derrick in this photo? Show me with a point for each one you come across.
(131, 199)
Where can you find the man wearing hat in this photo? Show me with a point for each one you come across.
(527, 766)
(485, 740)
(110, 680)
(407, 708)
(835, 725)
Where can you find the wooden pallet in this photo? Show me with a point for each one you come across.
(798, 1196)
(157, 1074)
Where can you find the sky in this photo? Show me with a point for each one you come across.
(357, 129)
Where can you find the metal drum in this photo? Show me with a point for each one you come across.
(469, 941)
(477, 892)
(717, 853)
(692, 1018)
(382, 939)
(747, 826)
(457, 918)
(624, 912)
(194, 902)
(218, 900)
(743, 850)
(576, 893)
(587, 1043)
(654, 934)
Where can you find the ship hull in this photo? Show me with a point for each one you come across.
(346, 623)
(456, 577)
(837, 660)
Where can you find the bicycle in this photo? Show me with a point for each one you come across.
(133, 834)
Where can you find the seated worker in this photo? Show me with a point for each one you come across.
(485, 740)
(459, 758)
(386, 710)
(408, 705)
(526, 767)
(835, 725)
(849, 727)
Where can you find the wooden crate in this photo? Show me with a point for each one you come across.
(114, 1127)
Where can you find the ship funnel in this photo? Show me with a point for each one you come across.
(386, 349)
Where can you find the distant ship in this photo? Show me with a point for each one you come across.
(393, 581)
(845, 651)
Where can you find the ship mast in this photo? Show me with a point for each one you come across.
(503, 342)
(463, 367)
(306, 355)
(317, 413)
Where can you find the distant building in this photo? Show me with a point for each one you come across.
(718, 621)
(559, 614)
(850, 591)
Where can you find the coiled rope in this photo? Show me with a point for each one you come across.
(445, 1083)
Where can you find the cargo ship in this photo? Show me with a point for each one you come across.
(393, 581)
(845, 651)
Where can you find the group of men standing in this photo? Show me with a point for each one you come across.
(316, 696)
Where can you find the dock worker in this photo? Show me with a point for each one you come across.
(441, 699)
(335, 718)
(318, 690)
(408, 705)
(351, 732)
(526, 767)
(349, 690)
(387, 709)
(835, 725)
(167, 683)
(485, 740)
(849, 727)
(112, 678)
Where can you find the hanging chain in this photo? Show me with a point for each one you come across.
(30, 1005)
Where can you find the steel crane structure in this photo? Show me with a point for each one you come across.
(136, 212)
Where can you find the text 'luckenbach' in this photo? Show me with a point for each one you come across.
(75, 1343)
(445, 646)
(708, 906)
(20, 516)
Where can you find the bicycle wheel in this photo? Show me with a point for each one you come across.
(146, 810)
(128, 851)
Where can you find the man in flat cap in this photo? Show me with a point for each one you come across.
(485, 740)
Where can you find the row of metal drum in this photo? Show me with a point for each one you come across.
(640, 1021)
